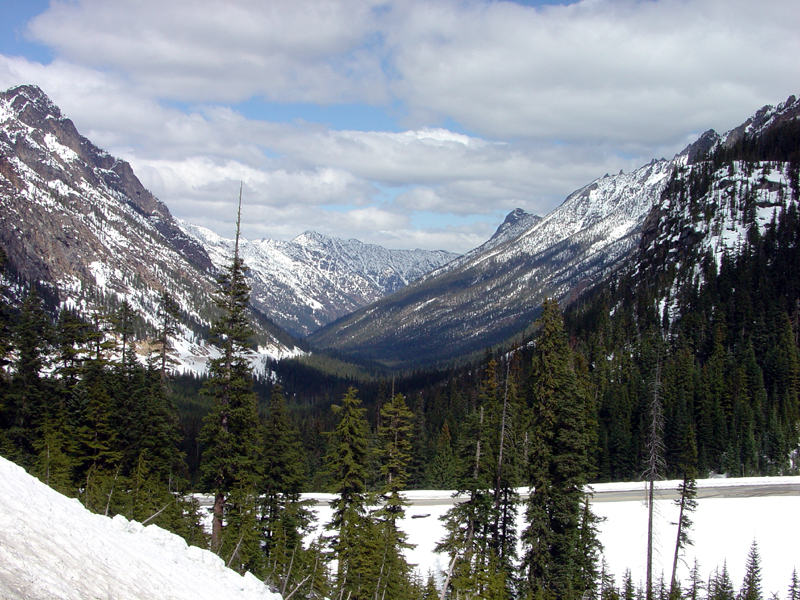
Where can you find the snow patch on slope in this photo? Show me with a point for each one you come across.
(53, 548)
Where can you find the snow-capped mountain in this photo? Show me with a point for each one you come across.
(494, 292)
(76, 218)
(714, 208)
(314, 279)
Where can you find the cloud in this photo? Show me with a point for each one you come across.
(622, 70)
(221, 51)
(503, 105)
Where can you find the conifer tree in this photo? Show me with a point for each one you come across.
(348, 453)
(26, 401)
(559, 465)
(751, 586)
(394, 452)
(443, 472)
(168, 316)
(284, 519)
(794, 587)
(686, 503)
(230, 430)
(721, 587)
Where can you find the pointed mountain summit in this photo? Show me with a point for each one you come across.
(79, 220)
(494, 293)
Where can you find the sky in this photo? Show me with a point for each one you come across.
(410, 124)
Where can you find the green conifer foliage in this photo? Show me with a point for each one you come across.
(168, 318)
(751, 586)
(346, 466)
(25, 402)
(394, 451)
(230, 430)
(284, 519)
(443, 471)
(562, 441)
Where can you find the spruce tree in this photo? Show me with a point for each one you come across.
(559, 465)
(346, 466)
(284, 519)
(751, 586)
(443, 471)
(794, 587)
(230, 430)
(168, 316)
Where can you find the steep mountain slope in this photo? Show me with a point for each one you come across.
(314, 279)
(715, 208)
(494, 292)
(76, 218)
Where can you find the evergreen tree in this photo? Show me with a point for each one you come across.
(443, 471)
(751, 586)
(348, 454)
(794, 587)
(230, 430)
(168, 316)
(25, 402)
(284, 519)
(721, 587)
(559, 465)
(686, 502)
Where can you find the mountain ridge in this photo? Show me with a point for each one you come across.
(492, 294)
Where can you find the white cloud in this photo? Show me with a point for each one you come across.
(554, 97)
(222, 51)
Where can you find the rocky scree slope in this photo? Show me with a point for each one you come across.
(494, 292)
(76, 218)
(314, 279)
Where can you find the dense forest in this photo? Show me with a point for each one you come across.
(684, 364)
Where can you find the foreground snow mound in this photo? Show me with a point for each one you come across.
(53, 548)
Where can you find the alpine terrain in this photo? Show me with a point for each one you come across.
(494, 293)
(314, 279)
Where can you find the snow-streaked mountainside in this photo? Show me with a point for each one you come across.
(53, 548)
(494, 292)
(314, 279)
(712, 210)
(76, 218)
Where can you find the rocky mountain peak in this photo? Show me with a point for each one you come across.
(30, 104)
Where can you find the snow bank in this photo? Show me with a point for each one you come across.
(52, 548)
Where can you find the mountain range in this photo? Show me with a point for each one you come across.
(79, 220)
(314, 279)
(492, 294)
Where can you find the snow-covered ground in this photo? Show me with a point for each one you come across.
(52, 548)
(724, 528)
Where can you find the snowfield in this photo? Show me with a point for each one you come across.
(724, 528)
(53, 548)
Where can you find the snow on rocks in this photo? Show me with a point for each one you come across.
(53, 548)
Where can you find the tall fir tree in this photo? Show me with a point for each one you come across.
(284, 518)
(751, 586)
(559, 465)
(346, 466)
(230, 430)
